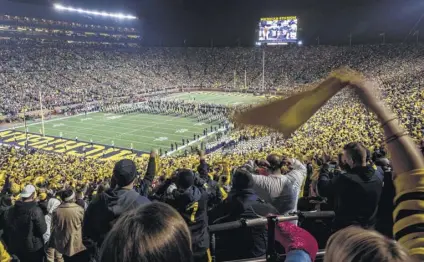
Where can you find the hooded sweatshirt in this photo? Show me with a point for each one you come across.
(105, 209)
(51, 206)
(356, 196)
(192, 205)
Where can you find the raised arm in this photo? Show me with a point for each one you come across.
(150, 174)
(408, 165)
(151, 167)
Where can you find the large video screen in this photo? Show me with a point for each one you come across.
(278, 30)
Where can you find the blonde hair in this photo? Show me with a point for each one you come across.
(354, 244)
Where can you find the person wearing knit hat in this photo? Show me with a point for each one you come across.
(66, 233)
(242, 203)
(106, 207)
(24, 227)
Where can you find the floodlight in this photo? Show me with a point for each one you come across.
(300, 43)
(58, 6)
(94, 12)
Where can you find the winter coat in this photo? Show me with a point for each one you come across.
(24, 228)
(66, 235)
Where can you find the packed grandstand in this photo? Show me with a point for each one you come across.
(356, 162)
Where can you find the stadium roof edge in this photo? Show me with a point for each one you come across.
(49, 12)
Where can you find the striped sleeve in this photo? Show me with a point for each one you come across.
(408, 214)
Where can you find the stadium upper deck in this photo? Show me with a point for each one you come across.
(19, 20)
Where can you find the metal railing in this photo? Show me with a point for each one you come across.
(271, 254)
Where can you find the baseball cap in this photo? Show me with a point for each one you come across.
(124, 172)
(27, 191)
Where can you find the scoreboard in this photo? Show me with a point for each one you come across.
(277, 30)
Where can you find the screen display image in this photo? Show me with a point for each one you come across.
(278, 30)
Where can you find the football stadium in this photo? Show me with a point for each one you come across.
(209, 131)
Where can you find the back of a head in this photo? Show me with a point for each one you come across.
(242, 179)
(184, 178)
(356, 154)
(275, 162)
(68, 196)
(152, 233)
(354, 244)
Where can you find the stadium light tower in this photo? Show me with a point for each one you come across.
(83, 11)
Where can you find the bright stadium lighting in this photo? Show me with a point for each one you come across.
(58, 6)
(300, 43)
(82, 11)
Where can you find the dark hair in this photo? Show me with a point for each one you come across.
(275, 162)
(184, 178)
(66, 194)
(242, 179)
(152, 233)
(357, 152)
(102, 188)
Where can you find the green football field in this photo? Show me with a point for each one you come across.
(141, 131)
(218, 98)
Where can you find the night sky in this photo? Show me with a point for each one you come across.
(229, 22)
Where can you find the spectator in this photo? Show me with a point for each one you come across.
(355, 244)
(213, 189)
(242, 203)
(80, 199)
(43, 201)
(356, 194)
(151, 233)
(107, 207)
(24, 227)
(66, 236)
(282, 191)
(191, 201)
(385, 207)
(52, 254)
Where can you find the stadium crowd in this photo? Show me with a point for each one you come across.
(73, 73)
(67, 208)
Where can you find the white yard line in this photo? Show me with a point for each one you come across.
(101, 122)
(77, 130)
(137, 130)
(51, 120)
